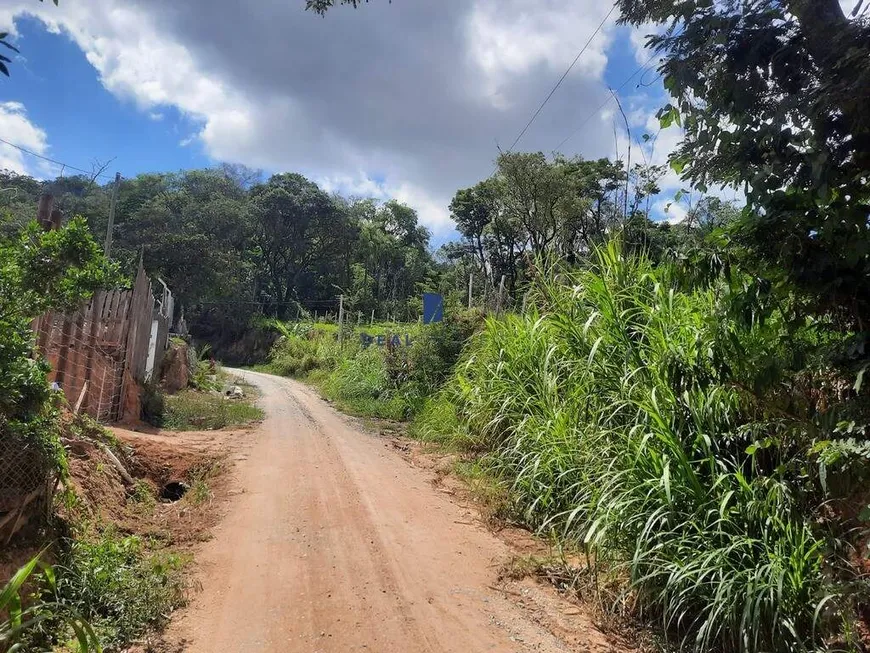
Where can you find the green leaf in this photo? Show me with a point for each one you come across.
(10, 591)
(666, 116)
(678, 164)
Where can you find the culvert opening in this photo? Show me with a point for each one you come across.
(173, 491)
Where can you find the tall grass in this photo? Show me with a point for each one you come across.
(116, 588)
(626, 415)
(191, 411)
(385, 380)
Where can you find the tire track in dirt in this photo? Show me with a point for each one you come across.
(334, 543)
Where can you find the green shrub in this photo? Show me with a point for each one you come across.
(676, 444)
(204, 374)
(40, 270)
(153, 405)
(302, 351)
(190, 410)
(115, 584)
(363, 376)
(19, 618)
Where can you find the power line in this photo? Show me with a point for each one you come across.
(58, 163)
(604, 104)
(562, 79)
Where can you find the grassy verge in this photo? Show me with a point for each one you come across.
(390, 380)
(118, 584)
(194, 410)
(688, 453)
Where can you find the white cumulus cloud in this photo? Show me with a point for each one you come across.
(417, 94)
(17, 128)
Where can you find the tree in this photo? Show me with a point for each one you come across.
(474, 210)
(193, 233)
(392, 258)
(772, 95)
(538, 206)
(295, 226)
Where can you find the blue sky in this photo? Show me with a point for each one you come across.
(84, 122)
(408, 100)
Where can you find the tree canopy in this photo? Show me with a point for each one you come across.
(773, 99)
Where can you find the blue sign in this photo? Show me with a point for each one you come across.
(433, 308)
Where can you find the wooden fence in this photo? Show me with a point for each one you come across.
(101, 354)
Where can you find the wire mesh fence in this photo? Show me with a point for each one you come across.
(26, 476)
(86, 367)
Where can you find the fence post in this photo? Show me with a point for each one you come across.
(470, 289)
(340, 320)
(100, 400)
(500, 300)
(108, 245)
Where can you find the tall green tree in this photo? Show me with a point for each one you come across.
(295, 226)
(392, 259)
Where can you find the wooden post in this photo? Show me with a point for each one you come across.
(81, 398)
(43, 210)
(108, 246)
(340, 320)
(470, 289)
(500, 300)
(373, 318)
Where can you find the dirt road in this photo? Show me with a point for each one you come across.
(333, 542)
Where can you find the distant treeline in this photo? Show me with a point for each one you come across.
(233, 245)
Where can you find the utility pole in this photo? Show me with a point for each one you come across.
(470, 289)
(108, 246)
(340, 320)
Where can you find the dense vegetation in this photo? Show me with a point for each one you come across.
(689, 405)
(711, 460)
(385, 370)
(685, 403)
(39, 270)
(232, 247)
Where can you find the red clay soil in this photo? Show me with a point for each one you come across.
(333, 542)
(156, 458)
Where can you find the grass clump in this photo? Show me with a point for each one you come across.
(392, 380)
(190, 410)
(200, 481)
(115, 584)
(677, 445)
